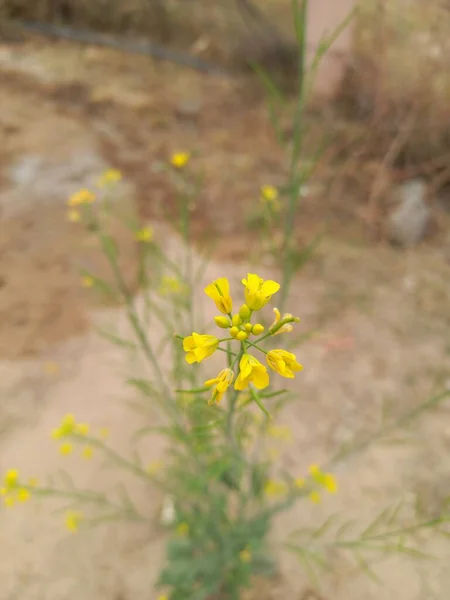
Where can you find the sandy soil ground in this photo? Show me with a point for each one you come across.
(382, 318)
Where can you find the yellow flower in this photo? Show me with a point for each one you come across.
(199, 347)
(285, 327)
(11, 479)
(275, 488)
(258, 292)
(245, 555)
(109, 177)
(283, 362)
(219, 292)
(269, 195)
(154, 467)
(66, 448)
(33, 482)
(144, 235)
(314, 496)
(280, 433)
(103, 433)
(74, 215)
(330, 483)
(73, 520)
(87, 281)
(183, 529)
(67, 427)
(180, 159)
(251, 370)
(326, 480)
(299, 482)
(87, 452)
(83, 196)
(171, 285)
(222, 382)
(82, 429)
(23, 495)
(9, 501)
(163, 597)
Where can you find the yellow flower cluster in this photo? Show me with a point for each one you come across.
(70, 431)
(171, 286)
(258, 293)
(326, 481)
(85, 196)
(13, 490)
(109, 178)
(318, 479)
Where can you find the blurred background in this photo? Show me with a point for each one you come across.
(86, 85)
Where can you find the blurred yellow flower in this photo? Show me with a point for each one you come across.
(82, 429)
(73, 520)
(23, 495)
(279, 432)
(109, 177)
(144, 235)
(67, 427)
(269, 196)
(222, 382)
(9, 501)
(269, 193)
(83, 196)
(198, 347)
(258, 292)
(330, 483)
(182, 529)
(299, 482)
(219, 292)
(180, 159)
(66, 448)
(283, 362)
(170, 285)
(245, 555)
(154, 467)
(33, 482)
(314, 496)
(11, 479)
(74, 215)
(87, 452)
(103, 433)
(251, 371)
(275, 488)
(87, 281)
(326, 480)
